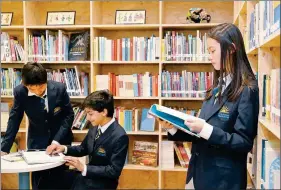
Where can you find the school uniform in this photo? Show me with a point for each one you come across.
(219, 157)
(107, 148)
(50, 119)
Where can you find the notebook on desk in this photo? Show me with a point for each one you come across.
(40, 157)
(172, 116)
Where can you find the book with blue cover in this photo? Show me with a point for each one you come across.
(172, 116)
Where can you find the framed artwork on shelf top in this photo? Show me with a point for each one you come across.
(6, 18)
(60, 18)
(130, 17)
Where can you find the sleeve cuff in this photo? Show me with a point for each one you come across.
(172, 131)
(84, 171)
(55, 142)
(65, 149)
(206, 131)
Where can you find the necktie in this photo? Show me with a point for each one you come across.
(43, 104)
(98, 134)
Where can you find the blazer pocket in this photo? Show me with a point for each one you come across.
(222, 162)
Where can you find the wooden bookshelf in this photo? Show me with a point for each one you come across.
(98, 17)
(263, 58)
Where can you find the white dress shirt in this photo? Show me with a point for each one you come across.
(103, 129)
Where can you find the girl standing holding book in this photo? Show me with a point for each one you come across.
(227, 123)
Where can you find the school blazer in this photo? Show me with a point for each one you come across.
(221, 161)
(43, 127)
(107, 157)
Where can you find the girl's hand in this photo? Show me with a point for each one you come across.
(195, 124)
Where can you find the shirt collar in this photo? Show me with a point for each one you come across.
(33, 94)
(227, 80)
(103, 128)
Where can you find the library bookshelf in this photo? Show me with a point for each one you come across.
(264, 57)
(98, 17)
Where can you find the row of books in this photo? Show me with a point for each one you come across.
(271, 97)
(127, 49)
(178, 47)
(77, 83)
(185, 84)
(10, 78)
(270, 164)
(52, 45)
(11, 49)
(80, 121)
(135, 85)
(264, 20)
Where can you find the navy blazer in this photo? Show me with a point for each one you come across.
(43, 127)
(221, 161)
(107, 157)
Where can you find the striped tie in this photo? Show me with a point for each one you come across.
(43, 103)
(98, 134)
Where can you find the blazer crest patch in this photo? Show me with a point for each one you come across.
(224, 113)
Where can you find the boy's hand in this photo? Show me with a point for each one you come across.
(75, 162)
(54, 149)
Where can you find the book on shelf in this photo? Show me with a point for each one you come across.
(179, 47)
(135, 85)
(11, 49)
(173, 117)
(167, 158)
(80, 121)
(76, 82)
(147, 123)
(145, 153)
(185, 84)
(127, 49)
(40, 157)
(79, 46)
(10, 78)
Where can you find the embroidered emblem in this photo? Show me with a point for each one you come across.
(57, 109)
(101, 151)
(224, 113)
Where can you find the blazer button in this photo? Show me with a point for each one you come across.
(46, 121)
(197, 154)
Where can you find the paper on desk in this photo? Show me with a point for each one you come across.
(13, 157)
(40, 157)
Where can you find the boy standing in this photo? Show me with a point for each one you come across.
(106, 144)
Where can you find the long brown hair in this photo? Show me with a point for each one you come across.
(234, 61)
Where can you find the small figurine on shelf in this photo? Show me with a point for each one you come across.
(198, 15)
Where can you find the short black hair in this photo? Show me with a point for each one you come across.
(33, 74)
(100, 100)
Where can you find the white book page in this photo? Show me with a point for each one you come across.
(36, 157)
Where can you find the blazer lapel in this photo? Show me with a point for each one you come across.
(92, 137)
(104, 136)
(212, 108)
(52, 95)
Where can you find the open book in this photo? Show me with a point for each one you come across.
(40, 157)
(174, 117)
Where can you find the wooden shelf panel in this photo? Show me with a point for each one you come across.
(186, 62)
(4, 129)
(274, 129)
(175, 169)
(36, 12)
(242, 10)
(139, 167)
(12, 27)
(181, 99)
(17, 8)
(77, 131)
(252, 51)
(65, 62)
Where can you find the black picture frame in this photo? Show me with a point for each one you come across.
(60, 12)
(144, 19)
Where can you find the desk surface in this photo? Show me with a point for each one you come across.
(22, 166)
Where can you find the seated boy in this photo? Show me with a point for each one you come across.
(106, 143)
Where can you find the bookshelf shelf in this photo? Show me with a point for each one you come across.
(125, 62)
(142, 133)
(181, 99)
(7, 97)
(242, 10)
(61, 27)
(139, 167)
(274, 129)
(189, 26)
(65, 62)
(253, 51)
(12, 62)
(14, 27)
(273, 40)
(126, 27)
(135, 98)
(76, 131)
(187, 62)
